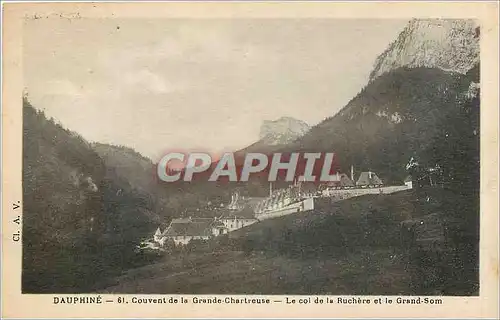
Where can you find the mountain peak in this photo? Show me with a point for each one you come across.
(447, 44)
(282, 130)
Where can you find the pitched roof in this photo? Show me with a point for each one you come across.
(252, 202)
(242, 202)
(241, 207)
(217, 224)
(368, 178)
(344, 181)
(202, 220)
(181, 220)
(308, 187)
(245, 213)
(189, 227)
(158, 232)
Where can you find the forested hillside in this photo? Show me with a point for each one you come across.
(81, 219)
(394, 117)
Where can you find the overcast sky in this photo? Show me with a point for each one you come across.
(159, 84)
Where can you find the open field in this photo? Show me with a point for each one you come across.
(343, 248)
(235, 272)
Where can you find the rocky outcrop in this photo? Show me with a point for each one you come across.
(450, 45)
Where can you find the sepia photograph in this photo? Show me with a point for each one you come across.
(228, 154)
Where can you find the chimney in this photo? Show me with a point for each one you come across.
(352, 172)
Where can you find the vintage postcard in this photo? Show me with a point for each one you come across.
(250, 159)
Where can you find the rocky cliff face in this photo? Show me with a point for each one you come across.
(283, 130)
(425, 78)
(420, 85)
(450, 45)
